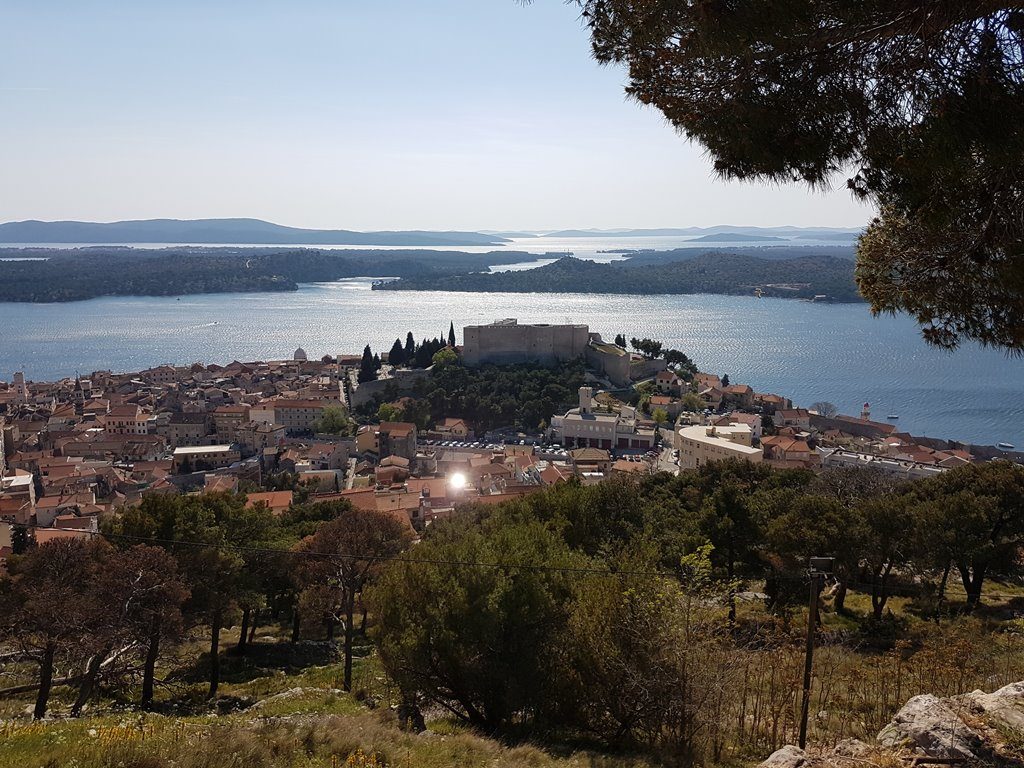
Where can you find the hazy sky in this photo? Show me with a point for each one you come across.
(368, 114)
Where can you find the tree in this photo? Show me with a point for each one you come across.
(141, 597)
(334, 420)
(646, 347)
(660, 415)
(451, 334)
(51, 607)
(620, 340)
(974, 518)
(692, 402)
(410, 347)
(680, 362)
(367, 368)
(218, 555)
(389, 412)
(341, 557)
(802, 91)
(396, 356)
(481, 642)
(445, 357)
(888, 524)
(725, 379)
(647, 654)
(824, 408)
(20, 541)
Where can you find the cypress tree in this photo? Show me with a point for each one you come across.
(367, 371)
(397, 354)
(451, 334)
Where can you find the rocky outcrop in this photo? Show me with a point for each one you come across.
(787, 757)
(1003, 708)
(935, 727)
(977, 728)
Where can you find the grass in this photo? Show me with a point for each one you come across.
(285, 739)
(299, 718)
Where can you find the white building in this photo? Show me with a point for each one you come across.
(699, 445)
(838, 457)
(583, 427)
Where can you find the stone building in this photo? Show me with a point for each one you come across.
(506, 341)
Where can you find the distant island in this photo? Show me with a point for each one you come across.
(804, 277)
(726, 237)
(223, 231)
(86, 273)
(773, 233)
(56, 275)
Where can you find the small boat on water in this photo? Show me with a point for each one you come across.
(893, 416)
(1005, 446)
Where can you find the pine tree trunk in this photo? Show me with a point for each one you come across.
(45, 682)
(252, 627)
(732, 591)
(349, 634)
(92, 671)
(214, 654)
(840, 600)
(942, 584)
(149, 668)
(972, 584)
(243, 635)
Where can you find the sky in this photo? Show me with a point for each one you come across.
(354, 114)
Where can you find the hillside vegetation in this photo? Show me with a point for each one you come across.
(72, 275)
(721, 273)
(661, 617)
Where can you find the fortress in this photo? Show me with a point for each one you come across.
(506, 341)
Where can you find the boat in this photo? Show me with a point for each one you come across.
(1005, 446)
(893, 416)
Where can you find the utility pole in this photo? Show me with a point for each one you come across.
(819, 568)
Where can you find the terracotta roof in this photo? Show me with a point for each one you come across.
(46, 535)
(276, 501)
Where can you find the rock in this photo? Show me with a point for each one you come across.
(787, 757)
(1003, 708)
(929, 724)
(853, 748)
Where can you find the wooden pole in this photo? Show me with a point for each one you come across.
(812, 622)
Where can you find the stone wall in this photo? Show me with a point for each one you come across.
(507, 342)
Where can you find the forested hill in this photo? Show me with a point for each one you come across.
(722, 273)
(767, 252)
(233, 231)
(71, 275)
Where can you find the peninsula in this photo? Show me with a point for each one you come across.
(804, 277)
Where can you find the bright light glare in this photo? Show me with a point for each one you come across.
(457, 481)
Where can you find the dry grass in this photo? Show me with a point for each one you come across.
(370, 740)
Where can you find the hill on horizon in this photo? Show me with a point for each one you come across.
(780, 232)
(222, 231)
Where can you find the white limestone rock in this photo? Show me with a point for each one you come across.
(788, 757)
(930, 725)
(1003, 708)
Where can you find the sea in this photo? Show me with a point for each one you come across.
(806, 351)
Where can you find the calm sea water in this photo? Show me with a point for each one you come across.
(806, 351)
